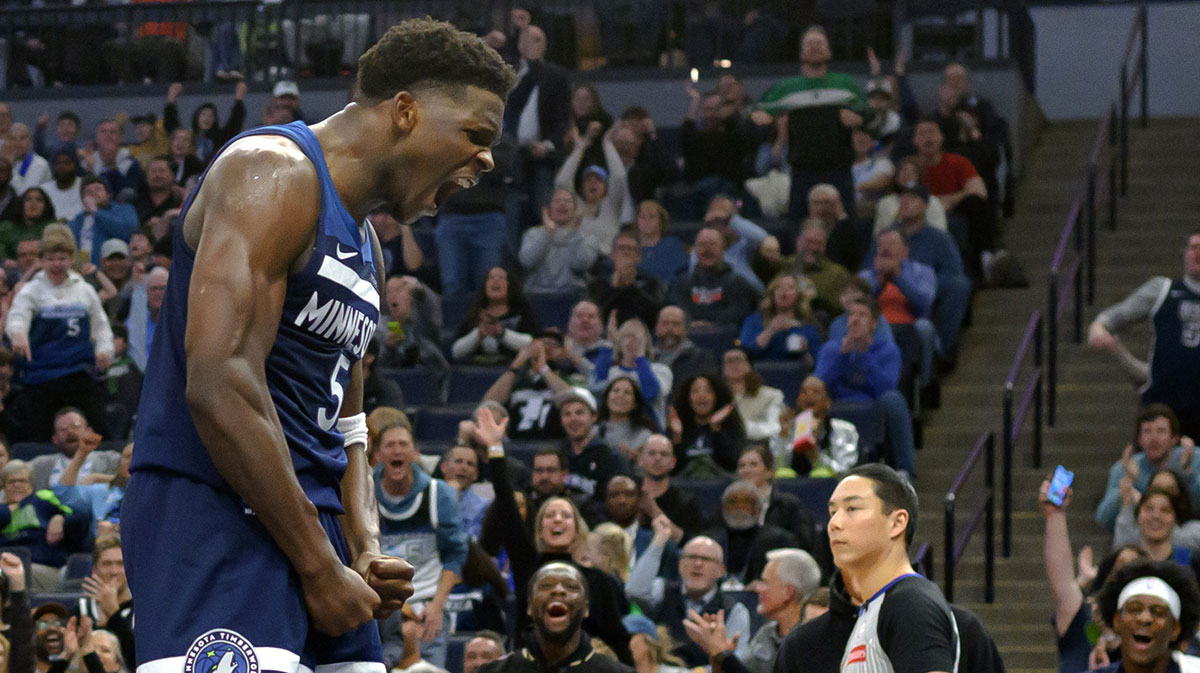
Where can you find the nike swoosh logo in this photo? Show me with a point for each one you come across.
(344, 255)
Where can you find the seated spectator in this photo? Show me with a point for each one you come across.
(662, 255)
(209, 134)
(904, 290)
(780, 328)
(413, 334)
(66, 134)
(607, 550)
(674, 349)
(162, 193)
(591, 461)
(648, 166)
(1153, 608)
(1158, 515)
(872, 171)
(887, 209)
(660, 497)
(101, 219)
(955, 182)
(826, 275)
(714, 145)
(861, 367)
(856, 288)
(559, 531)
(412, 531)
(788, 579)
(602, 190)
(668, 602)
(71, 432)
(121, 173)
(72, 337)
(64, 189)
(625, 421)
(626, 290)
(149, 138)
(117, 268)
(651, 646)
(706, 428)
(1174, 360)
(144, 305)
(745, 540)
(937, 250)
(528, 387)
(29, 168)
(460, 469)
(96, 495)
(183, 161)
(585, 336)
(109, 601)
(845, 240)
(36, 211)
(498, 325)
(623, 506)
(557, 253)
(713, 293)
(1186, 533)
(38, 522)
(783, 510)
(743, 238)
(826, 446)
(1159, 447)
(759, 405)
(630, 356)
(484, 648)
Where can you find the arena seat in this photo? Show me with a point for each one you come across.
(468, 384)
(419, 385)
(867, 417)
(553, 309)
(715, 338)
(441, 423)
(29, 450)
(786, 375)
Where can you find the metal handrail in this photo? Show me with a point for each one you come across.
(983, 513)
(1057, 284)
(1012, 421)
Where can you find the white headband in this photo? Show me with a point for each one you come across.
(1150, 586)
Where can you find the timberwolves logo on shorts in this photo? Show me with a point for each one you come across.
(220, 651)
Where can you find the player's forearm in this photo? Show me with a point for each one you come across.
(360, 523)
(235, 418)
(71, 472)
(446, 584)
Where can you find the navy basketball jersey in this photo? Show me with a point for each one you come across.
(1175, 362)
(330, 311)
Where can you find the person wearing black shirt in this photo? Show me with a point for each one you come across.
(559, 602)
(656, 461)
(745, 541)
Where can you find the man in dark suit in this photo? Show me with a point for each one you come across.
(746, 541)
(537, 114)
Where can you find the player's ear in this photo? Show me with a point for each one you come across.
(404, 112)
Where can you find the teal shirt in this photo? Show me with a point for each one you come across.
(1110, 505)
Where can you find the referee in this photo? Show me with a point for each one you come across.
(904, 624)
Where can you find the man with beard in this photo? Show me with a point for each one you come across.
(558, 603)
(622, 504)
(739, 533)
(656, 461)
(1153, 606)
(50, 620)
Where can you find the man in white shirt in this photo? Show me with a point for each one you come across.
(63, 189)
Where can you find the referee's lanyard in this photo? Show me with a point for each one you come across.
(863, 608)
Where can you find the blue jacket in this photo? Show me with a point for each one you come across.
(665, 259)
(399, 523)
(777, 347)
(859, 376)
(933, 248)
(917, 282)
(117, 220)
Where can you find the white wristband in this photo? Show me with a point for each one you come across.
(496, 451)
(354, 429)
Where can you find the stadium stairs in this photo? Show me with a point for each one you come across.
(1096, 404)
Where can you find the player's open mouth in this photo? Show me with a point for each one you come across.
(449, 188)
(1142, 641)
(557, 611)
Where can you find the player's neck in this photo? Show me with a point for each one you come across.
(350, 143)
(864, 582)
(554, 652)
(1158, 666)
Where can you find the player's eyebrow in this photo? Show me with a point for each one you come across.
(846, 499)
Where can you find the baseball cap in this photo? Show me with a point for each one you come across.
(640, 624)
(881, 85)
(148, 118)
(57, 609)
(114, 246)
(598, 170)
(286, 87)
(576, 394)
(916, 189)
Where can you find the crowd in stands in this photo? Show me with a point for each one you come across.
(1148, 500)
(670, 337)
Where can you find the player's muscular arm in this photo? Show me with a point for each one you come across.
(389, 576)
(252, 221)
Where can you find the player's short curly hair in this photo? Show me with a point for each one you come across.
(421, 52)
(1176, 576)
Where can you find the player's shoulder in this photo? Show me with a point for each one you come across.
(915, 594)
(264, 161)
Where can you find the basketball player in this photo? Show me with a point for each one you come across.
(904, 624)
(249, 522)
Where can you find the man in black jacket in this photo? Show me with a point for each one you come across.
(745, 541)
(558, 603)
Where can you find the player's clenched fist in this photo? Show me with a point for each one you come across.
(339, 601)
(390, 577)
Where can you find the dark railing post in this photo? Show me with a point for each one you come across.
(949, 550)
(1091, 233)
(1006, 439)
(1145, 63)
(1124, 131)
(1052, 347)
(989, 523)
(1078, 316)
(1038, 425)
(1112, 193)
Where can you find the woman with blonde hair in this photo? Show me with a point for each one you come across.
(630, 356)
(607, 549)
(651, 646)
(559, 532)
(781, 328)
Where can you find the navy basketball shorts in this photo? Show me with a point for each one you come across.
(214, 594)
